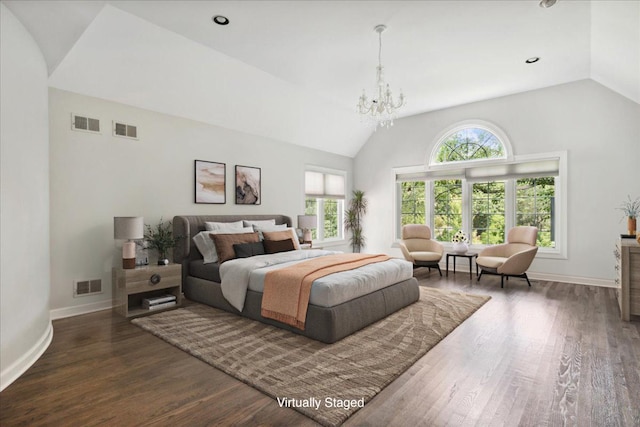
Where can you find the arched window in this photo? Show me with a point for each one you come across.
(470, 141)
(473, 182)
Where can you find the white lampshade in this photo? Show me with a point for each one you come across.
(128, 227)
(307, 222)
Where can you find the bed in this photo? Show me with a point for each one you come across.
(328, 318)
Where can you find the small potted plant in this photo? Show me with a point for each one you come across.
(161, 238)
(460, 242)
(631, 209)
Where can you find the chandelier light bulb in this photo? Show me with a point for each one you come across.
(381, 110)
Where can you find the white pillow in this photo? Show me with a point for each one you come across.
(205, 244)
(210, 226)
(263, 223)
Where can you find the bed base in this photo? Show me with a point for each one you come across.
(326, 324)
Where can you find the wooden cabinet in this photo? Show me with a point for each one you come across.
(627, 280)
(131, 286)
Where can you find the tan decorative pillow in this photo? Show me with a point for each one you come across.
(289, 233)
(224, 244)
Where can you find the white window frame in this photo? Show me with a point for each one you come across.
(320, 240)
(560, 220)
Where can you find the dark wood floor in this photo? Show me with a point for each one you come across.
(553, 354)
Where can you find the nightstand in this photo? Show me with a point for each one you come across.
(132, 286)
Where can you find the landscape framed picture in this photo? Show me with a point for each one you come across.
(248, 185)
(210, 182)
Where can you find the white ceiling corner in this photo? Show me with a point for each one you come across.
(293, 71)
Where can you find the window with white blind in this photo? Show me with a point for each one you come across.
(474, 183)
(324, 197)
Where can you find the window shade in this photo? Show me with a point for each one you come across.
(324, 185)
(497, 172)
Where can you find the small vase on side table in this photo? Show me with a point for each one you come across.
(631, 225)
(460, 247)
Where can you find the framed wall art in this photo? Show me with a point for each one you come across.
(210, 182)
(248, 185)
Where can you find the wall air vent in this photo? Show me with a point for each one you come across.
(87, 287)
(84, 123)
(124, 130)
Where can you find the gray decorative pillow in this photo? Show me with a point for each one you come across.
(246, 250)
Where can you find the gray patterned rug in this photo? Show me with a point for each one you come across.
(326, 382)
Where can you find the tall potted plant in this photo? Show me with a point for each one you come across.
(161, 238)
(353, 219)
(631, 209)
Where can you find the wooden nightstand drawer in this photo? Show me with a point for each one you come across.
(132, 286)
(627, 278)
(149, 280)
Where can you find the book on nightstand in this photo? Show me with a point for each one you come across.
(164, 301)
(162, 305)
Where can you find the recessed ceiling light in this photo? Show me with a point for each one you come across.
(221, 20)
(532, 59)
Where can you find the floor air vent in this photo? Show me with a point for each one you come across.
(87, 287)
(84, 123)
(124, 130)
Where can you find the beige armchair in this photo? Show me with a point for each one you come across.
(418, 248)
(512, 258)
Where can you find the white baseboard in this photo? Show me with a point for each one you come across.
(550, 277)
(19, 367)
(76, 310)
(572, 279)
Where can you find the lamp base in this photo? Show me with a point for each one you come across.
(128, 263)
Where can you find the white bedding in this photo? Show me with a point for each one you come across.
(241, 274)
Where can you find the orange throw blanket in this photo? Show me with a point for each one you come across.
(287, 290)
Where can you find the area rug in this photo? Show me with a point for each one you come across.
(326, 382)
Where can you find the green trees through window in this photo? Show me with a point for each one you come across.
(470, 144)
(535, 200)
(447, 209)
(463, 201)
(488, 213)
(329, 212)
(412, 209)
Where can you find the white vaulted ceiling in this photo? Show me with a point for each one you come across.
(293, 71)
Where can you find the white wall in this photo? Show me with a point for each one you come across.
(25, 327)
(599, 128)
(615, 46)
(97, 177)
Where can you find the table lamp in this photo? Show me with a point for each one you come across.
(307, 223)
(128, 228)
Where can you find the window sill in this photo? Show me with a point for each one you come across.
(328, 243)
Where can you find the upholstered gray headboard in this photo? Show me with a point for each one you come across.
(190, 225)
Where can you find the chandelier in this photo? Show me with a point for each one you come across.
(381, 108)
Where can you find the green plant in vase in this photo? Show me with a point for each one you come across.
(631, 209)
(353, 220)
(161, 238)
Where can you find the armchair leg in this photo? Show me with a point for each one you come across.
(526, 277)
(479, 276)
(439, 271)
(502, 280)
